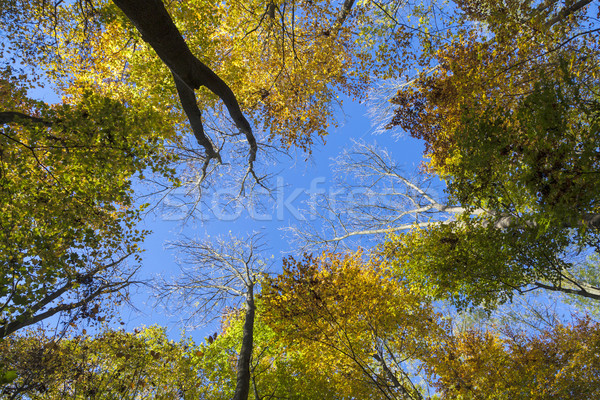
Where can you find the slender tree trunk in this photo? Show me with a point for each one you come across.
(242, 387)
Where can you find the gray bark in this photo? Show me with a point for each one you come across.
(567, 11)
(242, 387)
(157, 29)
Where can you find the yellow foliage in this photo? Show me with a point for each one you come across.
(286, 62)
(350, 316)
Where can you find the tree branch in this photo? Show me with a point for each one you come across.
(187, 97)
(7, 117)
(158, 29)
(28, 318)
(343, 13)
(567, 11)
(586, 290)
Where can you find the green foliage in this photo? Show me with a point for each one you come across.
(67, 209)
(471, 262)
(508, 109)
(539, 157)
(112, 364)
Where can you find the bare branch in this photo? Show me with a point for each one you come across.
(214, 274)
(373, 197)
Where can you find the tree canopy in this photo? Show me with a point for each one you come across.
(196, 93)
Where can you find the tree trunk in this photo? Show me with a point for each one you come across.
(242, 387)
(157, 29)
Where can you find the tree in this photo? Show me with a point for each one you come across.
(215, 274)
(67, 212)
(139, 365)
(285, 63)
(509, 116)
(506, 104)
(468, 255)
(354, 320)
(378, 200)
(336, 327)
(558, 363)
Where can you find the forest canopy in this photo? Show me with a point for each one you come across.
(488, 288)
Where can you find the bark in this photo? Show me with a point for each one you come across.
(592, 220)
(565, 12)
(158, 29)
(344, 12)
(190, 107)
(584, 290)
(7, 117)
(588, 220)
(242, 387)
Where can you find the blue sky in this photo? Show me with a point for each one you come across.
(294, 178)
(297, 177)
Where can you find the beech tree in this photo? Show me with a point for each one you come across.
(66, 202)
(482, 364)
(354, 319)
(277, 66)
(509, 117)
(469, 255)
(216, 274)
(138, 365)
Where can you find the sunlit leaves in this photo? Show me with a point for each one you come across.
(507, 106)
(288, 63)
(473, 262)
(352, 318)
(66, 200)
(558, 363)
(140, 365)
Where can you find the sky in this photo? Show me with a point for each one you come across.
(297, 177)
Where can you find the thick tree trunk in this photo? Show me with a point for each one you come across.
(242, 387)
(157, 29)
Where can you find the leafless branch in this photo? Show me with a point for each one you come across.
(374, 198)
(214, 274)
